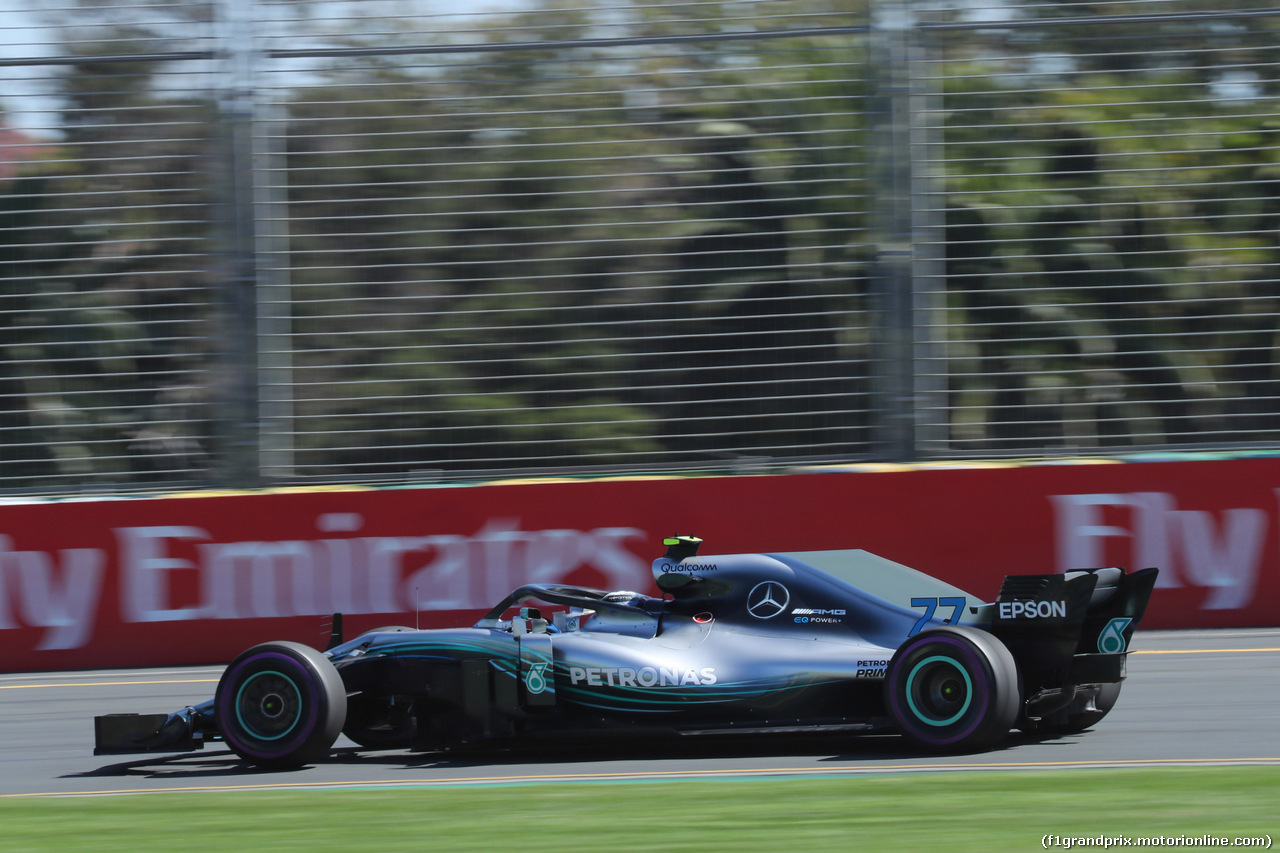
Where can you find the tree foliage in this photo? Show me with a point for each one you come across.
(636, 237)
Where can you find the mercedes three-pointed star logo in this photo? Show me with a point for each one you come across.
(767, 599)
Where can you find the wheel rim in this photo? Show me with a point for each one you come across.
(939, 691)
(269, 705)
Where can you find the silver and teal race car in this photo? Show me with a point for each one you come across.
(814, 641)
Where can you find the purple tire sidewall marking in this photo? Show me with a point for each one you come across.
(981, 689)
(307, 681)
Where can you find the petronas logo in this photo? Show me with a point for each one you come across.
(536, 679)
(1111, 640)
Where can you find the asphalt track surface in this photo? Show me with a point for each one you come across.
(1192, 698)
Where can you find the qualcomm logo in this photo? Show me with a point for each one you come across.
(767, 599)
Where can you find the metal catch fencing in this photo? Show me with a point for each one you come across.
(257, 242)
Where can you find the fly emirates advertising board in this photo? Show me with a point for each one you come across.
(196, 579)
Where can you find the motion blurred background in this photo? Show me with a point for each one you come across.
(252, 243)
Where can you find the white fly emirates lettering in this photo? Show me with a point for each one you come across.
(1219, 551)
(350, 574)
(58, 592)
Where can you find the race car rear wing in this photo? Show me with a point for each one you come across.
(1070, 629)
(1116, 606)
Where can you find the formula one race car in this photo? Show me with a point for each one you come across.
(817, 641)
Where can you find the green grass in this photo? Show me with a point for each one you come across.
(979, 811)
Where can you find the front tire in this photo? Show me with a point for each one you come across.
(281, 705)
(952, 689)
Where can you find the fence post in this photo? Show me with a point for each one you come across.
(255, 365)
(909, 389)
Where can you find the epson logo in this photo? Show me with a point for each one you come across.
(1032, 609)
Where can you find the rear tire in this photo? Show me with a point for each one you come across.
(281, 705)
(952, 689)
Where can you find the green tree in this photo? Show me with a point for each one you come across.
(107, 348)
(1110, 260)
(530, 255)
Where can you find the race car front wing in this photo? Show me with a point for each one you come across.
(182, 731)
